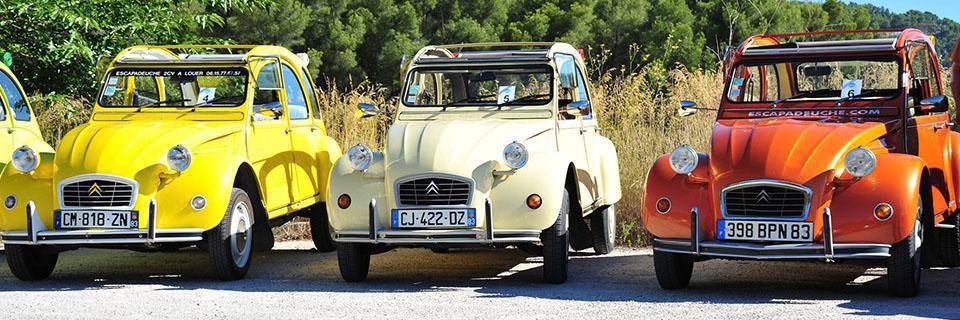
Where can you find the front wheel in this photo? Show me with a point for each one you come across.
(230, 243)
(673, 269)
(354, 261)
(903, 266)
(31, 263)
(556, 246)
(320, 229)
(603, 227)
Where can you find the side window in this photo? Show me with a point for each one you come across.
(923, 82)
(569, 90)
(582, 92)
(145, 90)
(21, 112)
(311, 93)
(3, 109)
(296, 101)
(267, 95)
(759, 84)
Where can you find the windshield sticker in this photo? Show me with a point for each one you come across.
(412, 94)
(734, 93)
(851, 88)
(206, 94)
(112, 80)
(737, 82)
(109, 91)
(505, 94)
(179, 73)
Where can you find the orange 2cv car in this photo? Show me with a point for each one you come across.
(821, 150)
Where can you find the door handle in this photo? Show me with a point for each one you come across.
(10, 130)
(287, 130)
(939, 126)
(314, 129)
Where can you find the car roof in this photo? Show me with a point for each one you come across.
(493, 52)
(875, 41)
(204, 54)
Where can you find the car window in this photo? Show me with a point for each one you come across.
(582, 91)
(311, 94)
(21, 112)
(923, 82)
(3, 109)
(266, 96)
(296, 101)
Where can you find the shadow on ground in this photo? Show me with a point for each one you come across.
(626, 276)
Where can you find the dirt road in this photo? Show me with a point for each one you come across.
(295, 283)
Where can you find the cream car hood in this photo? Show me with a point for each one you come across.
(459, 146)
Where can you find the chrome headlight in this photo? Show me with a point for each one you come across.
(515, 155)
(179, 158)
(360, 157)
(24, 159)
(860, 162)
(683, 159)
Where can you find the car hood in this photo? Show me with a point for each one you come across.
(784, 149)
(458, 146)
(127, 148)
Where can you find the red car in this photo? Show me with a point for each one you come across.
(822, 150)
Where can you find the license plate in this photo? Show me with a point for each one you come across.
(433, 218)
(96, 219)
(765, 230)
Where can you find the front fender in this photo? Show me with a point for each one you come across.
(545, 175)
(329, 153)
(609, 171)
(685, 192)
(36, 186)
(362, 187)
(896, 181)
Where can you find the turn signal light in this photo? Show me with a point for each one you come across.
(534, 201)
(343, 201)
(663, 205)
(883, 211)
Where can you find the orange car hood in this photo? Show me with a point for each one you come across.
(784, 149)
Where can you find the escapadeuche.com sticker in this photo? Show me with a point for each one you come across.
(180, 73)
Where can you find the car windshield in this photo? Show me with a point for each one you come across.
(816, 80)
(175, 87)
(479, 86)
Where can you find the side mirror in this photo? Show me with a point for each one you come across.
(687, 108)
(935, 104)
(577, 108)
(368, 110)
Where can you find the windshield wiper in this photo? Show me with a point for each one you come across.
(467, 99)
(802, 95)
(161, 102)
(215, 100)
(523, 99)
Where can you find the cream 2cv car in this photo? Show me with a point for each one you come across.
(186, 145)
(490, 148)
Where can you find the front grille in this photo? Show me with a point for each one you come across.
(433, 191)
(97, 193)
(766, 200)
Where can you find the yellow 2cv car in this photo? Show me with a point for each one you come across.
(186, 145)
(489, 147)
(18, 124)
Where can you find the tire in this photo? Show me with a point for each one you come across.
(320, 229)
(603, 228)
(230, 244)
(673, 269)
(556, 246)
(31, 263)
(354, 261)
(903, 266)
(949, 240)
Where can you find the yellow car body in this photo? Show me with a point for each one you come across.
(281, 159)
(18, 123)
(452, 156)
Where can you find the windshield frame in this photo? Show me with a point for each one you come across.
(110, 72)
(550, 70)
(733, 104)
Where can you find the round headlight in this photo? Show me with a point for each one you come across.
(515, 155)
(179, 158)
(683, 159)
(360, 157)
(25, 159)
(860, 162)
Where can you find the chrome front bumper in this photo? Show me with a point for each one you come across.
(487, 235)
(827, 250)
(37, 234)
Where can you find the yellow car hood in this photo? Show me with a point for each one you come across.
(127, 148)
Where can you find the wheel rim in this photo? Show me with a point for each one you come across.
(241, 234)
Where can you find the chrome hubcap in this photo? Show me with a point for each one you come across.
(240, 234)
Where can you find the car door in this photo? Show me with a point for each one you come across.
(304, 134)
(928, 132)
(590, 134)
(572, 129)
(268, 140)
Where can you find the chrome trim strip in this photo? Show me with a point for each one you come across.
(98, 176)
(695, 230)
(89, 237)
(470, 236)
(396, 188)
(152, 223)
(373, 220)
(827, 234)
(775, 251)
(808, 197)
(488, 210)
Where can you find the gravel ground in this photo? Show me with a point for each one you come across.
(297, 283)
